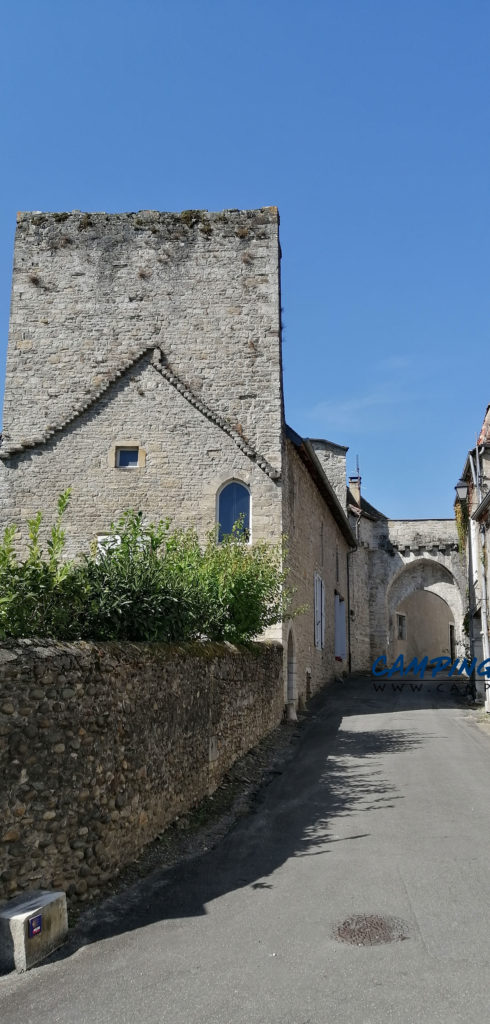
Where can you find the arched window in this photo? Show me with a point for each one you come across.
(233, 506)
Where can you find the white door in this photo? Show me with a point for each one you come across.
(340, 630)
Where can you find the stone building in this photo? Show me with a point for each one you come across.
(406, 579)
(144, 371)
(473, 518)
(408, 586)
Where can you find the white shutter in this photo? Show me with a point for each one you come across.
(317, 611)
(340, 629)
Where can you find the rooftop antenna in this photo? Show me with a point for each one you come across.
(357, 465)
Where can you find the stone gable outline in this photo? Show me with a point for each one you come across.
(160, 365)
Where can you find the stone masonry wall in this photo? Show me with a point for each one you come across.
(155, 330)
(313, 539)
(92, 292)
(413, 551)
(359, 576)
(188, 458)
(103, 745)
(332, 458)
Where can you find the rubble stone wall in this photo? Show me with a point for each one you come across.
(315, 545)
(359, 577)
(103, 745)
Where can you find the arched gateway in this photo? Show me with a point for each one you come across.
(417, 590)
(424, 612)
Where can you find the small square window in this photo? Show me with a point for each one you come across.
(127, 458)
(128, 454)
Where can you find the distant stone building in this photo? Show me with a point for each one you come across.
(473, 518)
(406, 579)
(144, 371)
(408, 586)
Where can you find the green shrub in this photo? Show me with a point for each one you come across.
(151, 583)
(242, 587)
(37, 595)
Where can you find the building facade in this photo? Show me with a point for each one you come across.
(408, 586)
(472, 508)
(144, 371)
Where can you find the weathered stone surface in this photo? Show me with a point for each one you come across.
(395, 558)
(66, 817)
(160, 331)
(202, 409)
(315, 545)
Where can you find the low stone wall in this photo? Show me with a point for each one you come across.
(103, 745)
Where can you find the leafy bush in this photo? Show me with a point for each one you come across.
(123, 591)
(35, 594)
(150, 583)
(242, 587)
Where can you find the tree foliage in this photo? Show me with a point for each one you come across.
(151, 582)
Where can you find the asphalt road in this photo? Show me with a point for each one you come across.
(384, 810)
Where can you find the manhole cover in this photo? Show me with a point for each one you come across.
(371, 930)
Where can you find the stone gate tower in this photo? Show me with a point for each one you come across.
(155, 331)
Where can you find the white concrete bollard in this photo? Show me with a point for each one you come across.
(291, 715)
(31, 926)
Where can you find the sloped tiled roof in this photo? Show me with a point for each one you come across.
(307, 455)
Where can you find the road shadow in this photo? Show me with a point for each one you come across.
(334, 772)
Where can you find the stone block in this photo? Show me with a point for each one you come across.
(31, 927)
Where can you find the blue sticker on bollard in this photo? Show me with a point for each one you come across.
(35, 925)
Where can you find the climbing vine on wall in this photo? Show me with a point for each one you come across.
(462, 520)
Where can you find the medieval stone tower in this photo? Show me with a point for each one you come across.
(156, 332)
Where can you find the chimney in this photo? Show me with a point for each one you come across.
(355, 489)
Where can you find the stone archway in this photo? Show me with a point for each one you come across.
(422, 624)
(442, 602)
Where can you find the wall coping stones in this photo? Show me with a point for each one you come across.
(10, 649)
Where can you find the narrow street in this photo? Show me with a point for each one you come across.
(382, 811)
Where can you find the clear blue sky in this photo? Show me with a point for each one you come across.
(365, 121)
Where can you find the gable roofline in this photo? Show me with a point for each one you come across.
(310, 460)
(482, 509)
(468, 470)
(10, 448)
(365, 508)
(331, 444)
(159, 364)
